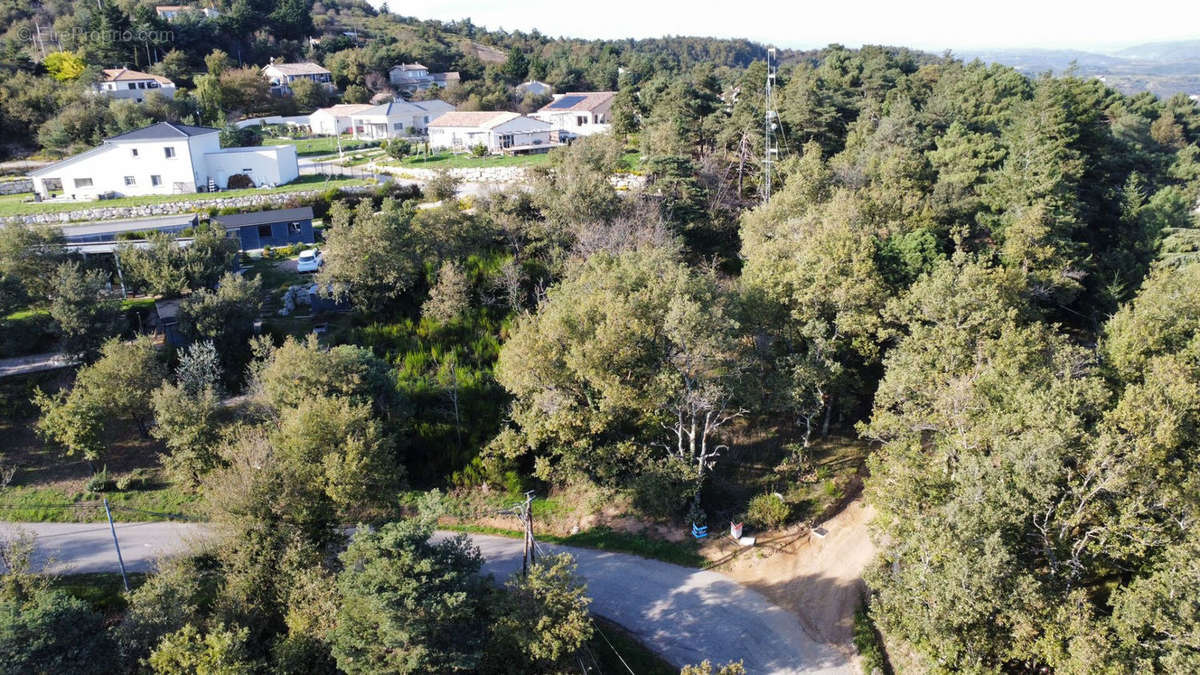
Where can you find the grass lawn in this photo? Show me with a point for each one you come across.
(319, 145)
(14, 205)
(606, 539)
(49, 486)
(447, 160)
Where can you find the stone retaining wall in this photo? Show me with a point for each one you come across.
(16, 186)
(98, 213)
(500, 175)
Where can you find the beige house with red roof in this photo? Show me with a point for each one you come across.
(578, 112)
(124, 83)
(498, 131)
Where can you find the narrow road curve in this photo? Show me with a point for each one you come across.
(685, 615)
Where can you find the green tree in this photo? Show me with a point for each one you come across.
(633, 348)
(85, 312)
(225, 317)
(369, 256)
(542, 619)
(409, 605)
(450, 297)
(64, 66)
(32, 255)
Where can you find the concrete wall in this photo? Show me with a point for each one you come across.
(269, 164)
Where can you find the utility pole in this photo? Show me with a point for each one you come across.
(527, 520)
(116, 545)
(770, 122)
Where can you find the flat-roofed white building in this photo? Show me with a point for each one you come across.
(162, 159)
(498, 131)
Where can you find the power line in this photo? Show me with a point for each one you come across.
(610, 646)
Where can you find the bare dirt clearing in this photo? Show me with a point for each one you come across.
(819, 579)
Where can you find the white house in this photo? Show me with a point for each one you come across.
(162, 159)
(130, 84)
(535, 87)
(282, 75)
(581, 112)
(335, 119)
(170, 12)
(415, 77)
(395, 118)
(499, 131)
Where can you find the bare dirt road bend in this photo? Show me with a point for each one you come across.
(684, 614)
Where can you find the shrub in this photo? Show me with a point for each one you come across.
(662, 490)
(239, 181)
(479, 150)
(443, 186)
(767, 511)
(100, 482)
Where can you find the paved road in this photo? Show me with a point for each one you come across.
(684, 614)
(34, 363)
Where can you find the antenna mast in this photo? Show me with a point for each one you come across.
(770, 123)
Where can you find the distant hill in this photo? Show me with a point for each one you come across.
(1163, 68)
(1169, 52)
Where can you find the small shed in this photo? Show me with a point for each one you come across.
(279, 227)
(168, 321)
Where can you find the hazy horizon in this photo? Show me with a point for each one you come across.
(1021, 24)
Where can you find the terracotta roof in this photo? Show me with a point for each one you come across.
(125, 74)
(298, 68)
(586, 100)
(484, 119)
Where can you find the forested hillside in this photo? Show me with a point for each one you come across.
(986, 281)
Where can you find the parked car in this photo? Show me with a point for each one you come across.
(310, 261)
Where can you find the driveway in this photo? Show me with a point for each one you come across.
(685, 615)
(35, 363)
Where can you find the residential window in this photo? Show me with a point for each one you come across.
(156, 180)
(130, 180)
(264, 231)
(133, 151)
(133, 85)
(293, 228)
(169, 152)
(398, 126)
(580, 121)
(83, 182)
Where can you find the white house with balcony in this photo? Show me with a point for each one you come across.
(163, 159)
(498, 131)
(123, 83)
(580, 113)
(397, 118)
(282, 75)
(412, 77)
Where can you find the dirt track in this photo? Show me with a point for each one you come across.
(817, 579)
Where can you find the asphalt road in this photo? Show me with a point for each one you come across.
(684, 614)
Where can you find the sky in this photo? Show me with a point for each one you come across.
(933, 25)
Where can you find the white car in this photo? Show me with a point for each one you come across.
(310, 261)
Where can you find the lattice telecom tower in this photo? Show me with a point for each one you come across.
(770, 125)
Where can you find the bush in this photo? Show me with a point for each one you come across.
(398, 148)
(479, 150)
(100, 482)
(31, 334)
(664, 488)
(239, 181)
(443, 186)
(767, 511)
